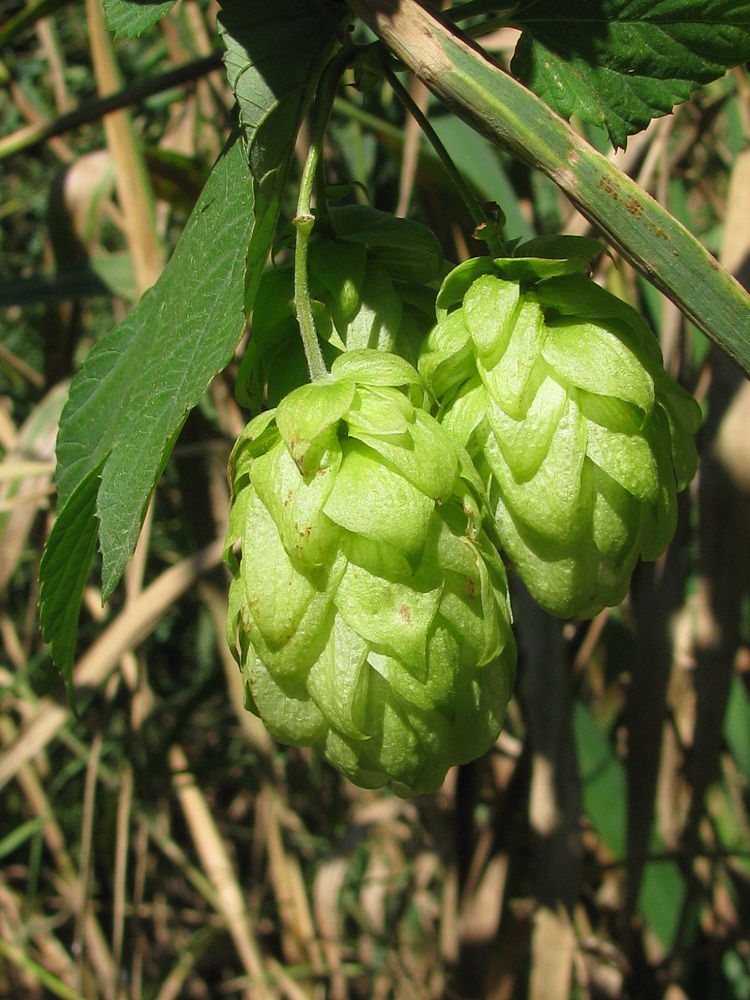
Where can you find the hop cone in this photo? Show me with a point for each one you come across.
(369, 276)
(558, 390)
(368, 613)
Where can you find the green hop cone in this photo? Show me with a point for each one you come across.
(368, 612)
(558, 390)
(369, 280)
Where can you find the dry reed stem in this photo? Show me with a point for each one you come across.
(329, 880)
(133, 186)
(127, 630)
(412, 142)
(26, 478)
(220, 870)
(553, 946)
(122, 845)
(50, 44)
(299, 940)
(85, 875)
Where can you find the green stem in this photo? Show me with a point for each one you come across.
(498, 106)
(304, 220)
(486, 229)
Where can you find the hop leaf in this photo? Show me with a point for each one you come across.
(368, 611)
(557, 389)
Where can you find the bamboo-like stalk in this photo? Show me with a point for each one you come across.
(133, 184)
(504, 110)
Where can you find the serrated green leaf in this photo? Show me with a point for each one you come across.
(64, 568)
(274, 56)
(132, 17)
(139, 382)
(135, 389)
(620, 63)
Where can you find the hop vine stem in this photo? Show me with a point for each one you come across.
(495, 104)
(486, 229)
(304, 219)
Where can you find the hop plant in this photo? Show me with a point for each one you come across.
(369, 283)
(558, 390)
(368, 611)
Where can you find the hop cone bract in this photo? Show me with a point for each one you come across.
(558, 390)
(369, 615)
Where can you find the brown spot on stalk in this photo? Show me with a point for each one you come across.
(608, 186)
(470, 588)
(634, 207)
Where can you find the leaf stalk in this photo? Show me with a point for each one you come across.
(486, 229)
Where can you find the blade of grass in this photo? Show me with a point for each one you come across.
(85, 877)
(68, 883)
(38, 973)
(173, 985)
(32, 12)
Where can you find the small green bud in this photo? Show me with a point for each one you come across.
(558, 390)
(368, 611)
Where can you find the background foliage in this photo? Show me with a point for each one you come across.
(160, 845)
